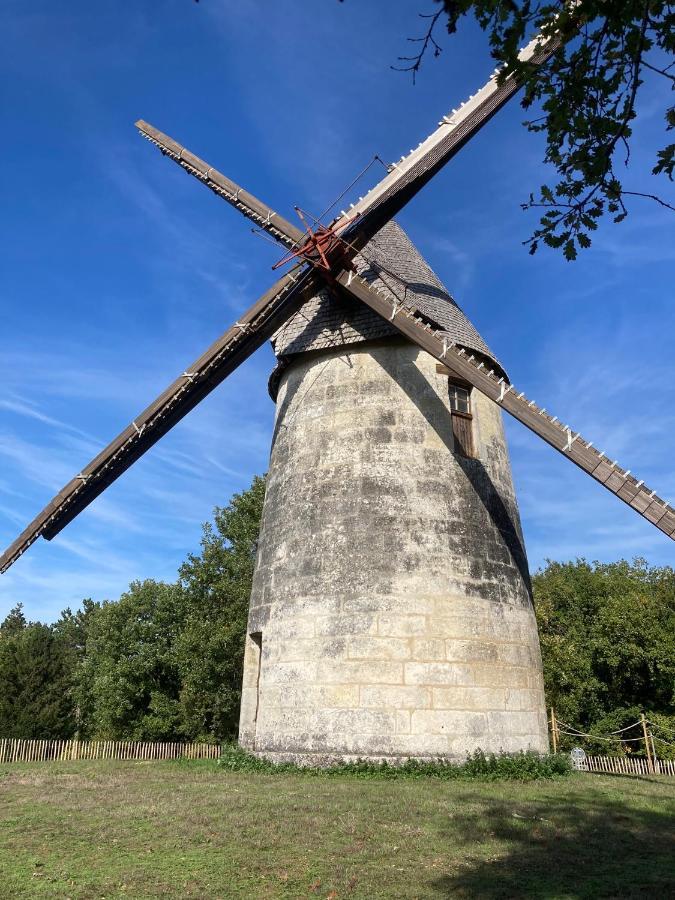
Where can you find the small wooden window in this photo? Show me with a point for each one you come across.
(459, 399)
(462, 420)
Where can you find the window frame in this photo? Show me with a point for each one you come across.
(454, 385)
(464, 434)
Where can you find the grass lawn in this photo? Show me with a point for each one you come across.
(114, 829)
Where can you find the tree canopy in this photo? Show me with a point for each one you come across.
(128, 681)
(36, 681)
(586, 98)
(607, 633)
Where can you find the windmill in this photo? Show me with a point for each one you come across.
(391, 612)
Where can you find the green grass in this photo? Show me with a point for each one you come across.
(138, 830)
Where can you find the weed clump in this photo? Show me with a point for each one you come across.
(523, 766)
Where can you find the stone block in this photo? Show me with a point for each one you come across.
(471, 698)
(401, 625)
(294, 627)
(438, 673)
(290, 672)
(470, 651)
(294, 607)
(311, 696)
(513, 723)
(523, 699)
(366, 647)
(424, 745)
(354, 721)
(303, 649)
(276, 720)
(516, 655)
(446, 721)
(388, 602)
(455, 627)
(346, 624)
(359, 671)
(493, 675)
(395, 696)
(428, 649)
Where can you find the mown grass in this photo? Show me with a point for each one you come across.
(141, 830)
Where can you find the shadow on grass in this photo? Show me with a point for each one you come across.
(593, 847)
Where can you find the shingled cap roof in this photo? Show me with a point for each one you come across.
(389, 260)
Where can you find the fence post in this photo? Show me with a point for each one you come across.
(554, 731)
(654, 756)
(646, 738)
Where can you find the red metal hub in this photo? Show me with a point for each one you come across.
(322, 246)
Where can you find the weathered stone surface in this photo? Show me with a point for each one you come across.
(391, 586)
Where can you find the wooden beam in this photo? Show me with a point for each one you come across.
(243, 201)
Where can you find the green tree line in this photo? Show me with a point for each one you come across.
(164, 661)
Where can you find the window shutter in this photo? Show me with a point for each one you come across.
(463, 433)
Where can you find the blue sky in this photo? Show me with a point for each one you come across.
(116, 270)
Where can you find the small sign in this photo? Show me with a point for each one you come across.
(578, 758)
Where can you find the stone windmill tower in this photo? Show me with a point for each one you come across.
(391, 613)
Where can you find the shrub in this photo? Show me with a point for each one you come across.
(524, 766)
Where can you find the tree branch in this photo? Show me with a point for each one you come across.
(663, 72)
(427, 40)
(585, 97)
(649, 197)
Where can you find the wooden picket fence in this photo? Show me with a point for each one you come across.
(16, 750)
(626, 765)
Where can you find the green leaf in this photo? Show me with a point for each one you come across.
(570, 251)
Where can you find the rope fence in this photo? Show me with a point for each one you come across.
(19, 750)
(622, 763)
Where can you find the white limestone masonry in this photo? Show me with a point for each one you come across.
(391, 598)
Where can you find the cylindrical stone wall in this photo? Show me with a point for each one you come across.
(391, 613)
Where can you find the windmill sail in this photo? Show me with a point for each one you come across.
(254, 327)
(408, 176)
(224, 187)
